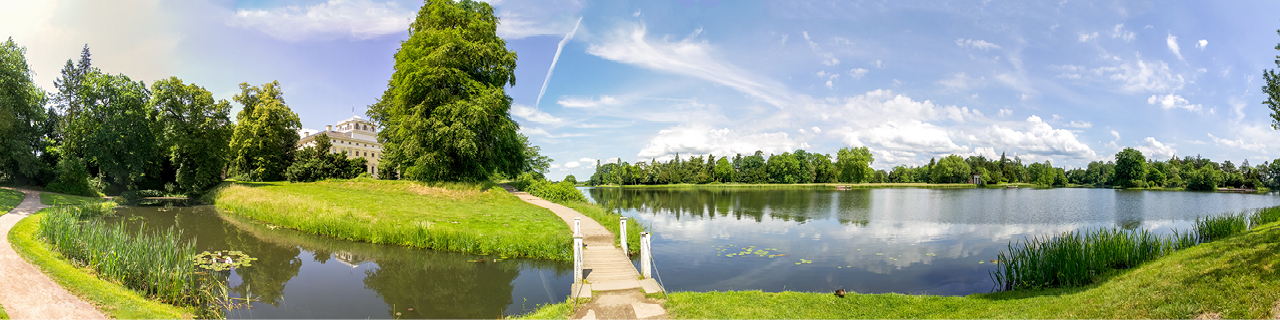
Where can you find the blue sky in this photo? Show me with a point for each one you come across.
(1069, 81)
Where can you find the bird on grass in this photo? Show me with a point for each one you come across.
(840, 293)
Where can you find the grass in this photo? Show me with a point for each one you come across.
(468, 218)
(58, 199)
(1078, 257)
(1236, 277)
(610, 221)
(561, 310)
(114, 300)
(157, 265)
(9, 199)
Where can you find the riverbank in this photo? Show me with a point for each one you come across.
(1236, 277)
(819, 186)
(468, 218)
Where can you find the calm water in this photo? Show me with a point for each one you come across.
(300, 275)
(915, 241)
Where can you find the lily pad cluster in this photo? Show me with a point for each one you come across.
(748, 251)
(222, 260)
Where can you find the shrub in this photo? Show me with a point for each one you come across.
(561, 192)
(73, 178)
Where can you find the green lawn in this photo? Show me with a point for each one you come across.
(1236, 277)
(58, 199)
(112, 299)
(452, 217)
(8, 200)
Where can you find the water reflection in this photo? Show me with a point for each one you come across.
(300, 275)
(882, 240)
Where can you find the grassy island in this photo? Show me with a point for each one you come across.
(468, 218)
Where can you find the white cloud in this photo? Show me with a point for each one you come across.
(1171, 101)
(1201, 44)
(909, 136)
(1116, 134)
(698, 139)
(1085, 37)
(1004, 113)
(572, 164)
(1239, 144)
(357, 19)
(1142, 76)
(576, 102)
(533, 114)
(857, 73)
(686, 57)
(1035, 137)
(1080, 124)
(960, 81)
(1172, 42)
(522, 19)
(1155, 149)
(1120, 33)
(555, 59)
(976, 44)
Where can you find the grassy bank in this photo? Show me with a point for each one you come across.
(452, 217)
(111, 298)
(9, 199)
(611, 221)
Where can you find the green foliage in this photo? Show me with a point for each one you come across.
(724, 171)
(951, 169)
(571, 179)
(1078, 257)
(156, 265)
(562, 192)
(854, 164)
(21, 113)
(784, 168)
(195, 132)
(1131, 168)
(73, 178)
(1218, 227)
(317, 163)
(1271, 86)
(263, 143)
(446, 114)
(1204, 179)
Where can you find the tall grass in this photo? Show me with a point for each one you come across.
(157, 265)
(1079, 257)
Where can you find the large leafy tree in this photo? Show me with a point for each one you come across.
(195, 132)
(951, 169)
(106, 120)
(1271, 86)
(265, 136)
(854, 164)
(1131, 168)
(446, 115)
(21, 115)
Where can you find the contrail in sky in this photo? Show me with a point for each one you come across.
(566, 39)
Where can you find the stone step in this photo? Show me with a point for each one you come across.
(615, 285)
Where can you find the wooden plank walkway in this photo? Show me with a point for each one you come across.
(606, 269)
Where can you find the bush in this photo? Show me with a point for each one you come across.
(73, 178)
(562, 192)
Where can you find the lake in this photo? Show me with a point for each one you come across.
(911, 241)
(300, 275)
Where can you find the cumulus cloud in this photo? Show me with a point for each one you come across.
(1171, 101)
(1239, 144)
(907, 137)
(534, 115)
(357, 19)
(1034, 136)
(857, 73)
(578, 102)
(1172, 42)
(1201, 44)
(1080, 124)
(1155, 149)
(1142, 76)
(689, 58)
(572, 164)
(698, 139)
(976, 44)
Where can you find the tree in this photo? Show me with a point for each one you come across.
(265, 137)
(1204, 179)
(1271, 86)
(317, 163)
(854, 164)
(951, 169)
(724, 170)
(21, 114)
(535, 163)
(570, 179)
(784, 168)
(1131, 168)
(446, 115)
(195, 132)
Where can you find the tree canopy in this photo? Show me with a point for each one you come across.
(445, 112)
(195, 132)
(265, 137)
(21, 115)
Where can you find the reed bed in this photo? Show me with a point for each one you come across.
(157, 265)
(1078, 258)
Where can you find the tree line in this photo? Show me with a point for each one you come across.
(1130, 169)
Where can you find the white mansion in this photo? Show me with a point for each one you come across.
(355, 137)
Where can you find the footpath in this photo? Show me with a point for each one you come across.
(25, 292)
(612, 282)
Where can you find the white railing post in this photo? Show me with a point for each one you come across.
(577, 258)
(645, 255)
(577, 225)
(623, 233)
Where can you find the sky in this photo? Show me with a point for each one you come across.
(1068, 82)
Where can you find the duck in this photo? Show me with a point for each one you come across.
(840, 293)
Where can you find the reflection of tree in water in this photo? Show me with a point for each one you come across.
(799, 205)
(1130, 208)
(437, 288)
(276, 265)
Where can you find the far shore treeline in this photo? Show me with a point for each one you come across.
(1130, 169)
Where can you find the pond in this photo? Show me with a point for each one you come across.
(911, 241)
(299, 275)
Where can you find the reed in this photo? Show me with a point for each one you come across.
(157, 265)
(1214, 228)
(1264, 216)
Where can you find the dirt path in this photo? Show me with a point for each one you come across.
(25, 292)
(608, 271)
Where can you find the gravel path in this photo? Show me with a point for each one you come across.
(25, 292)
